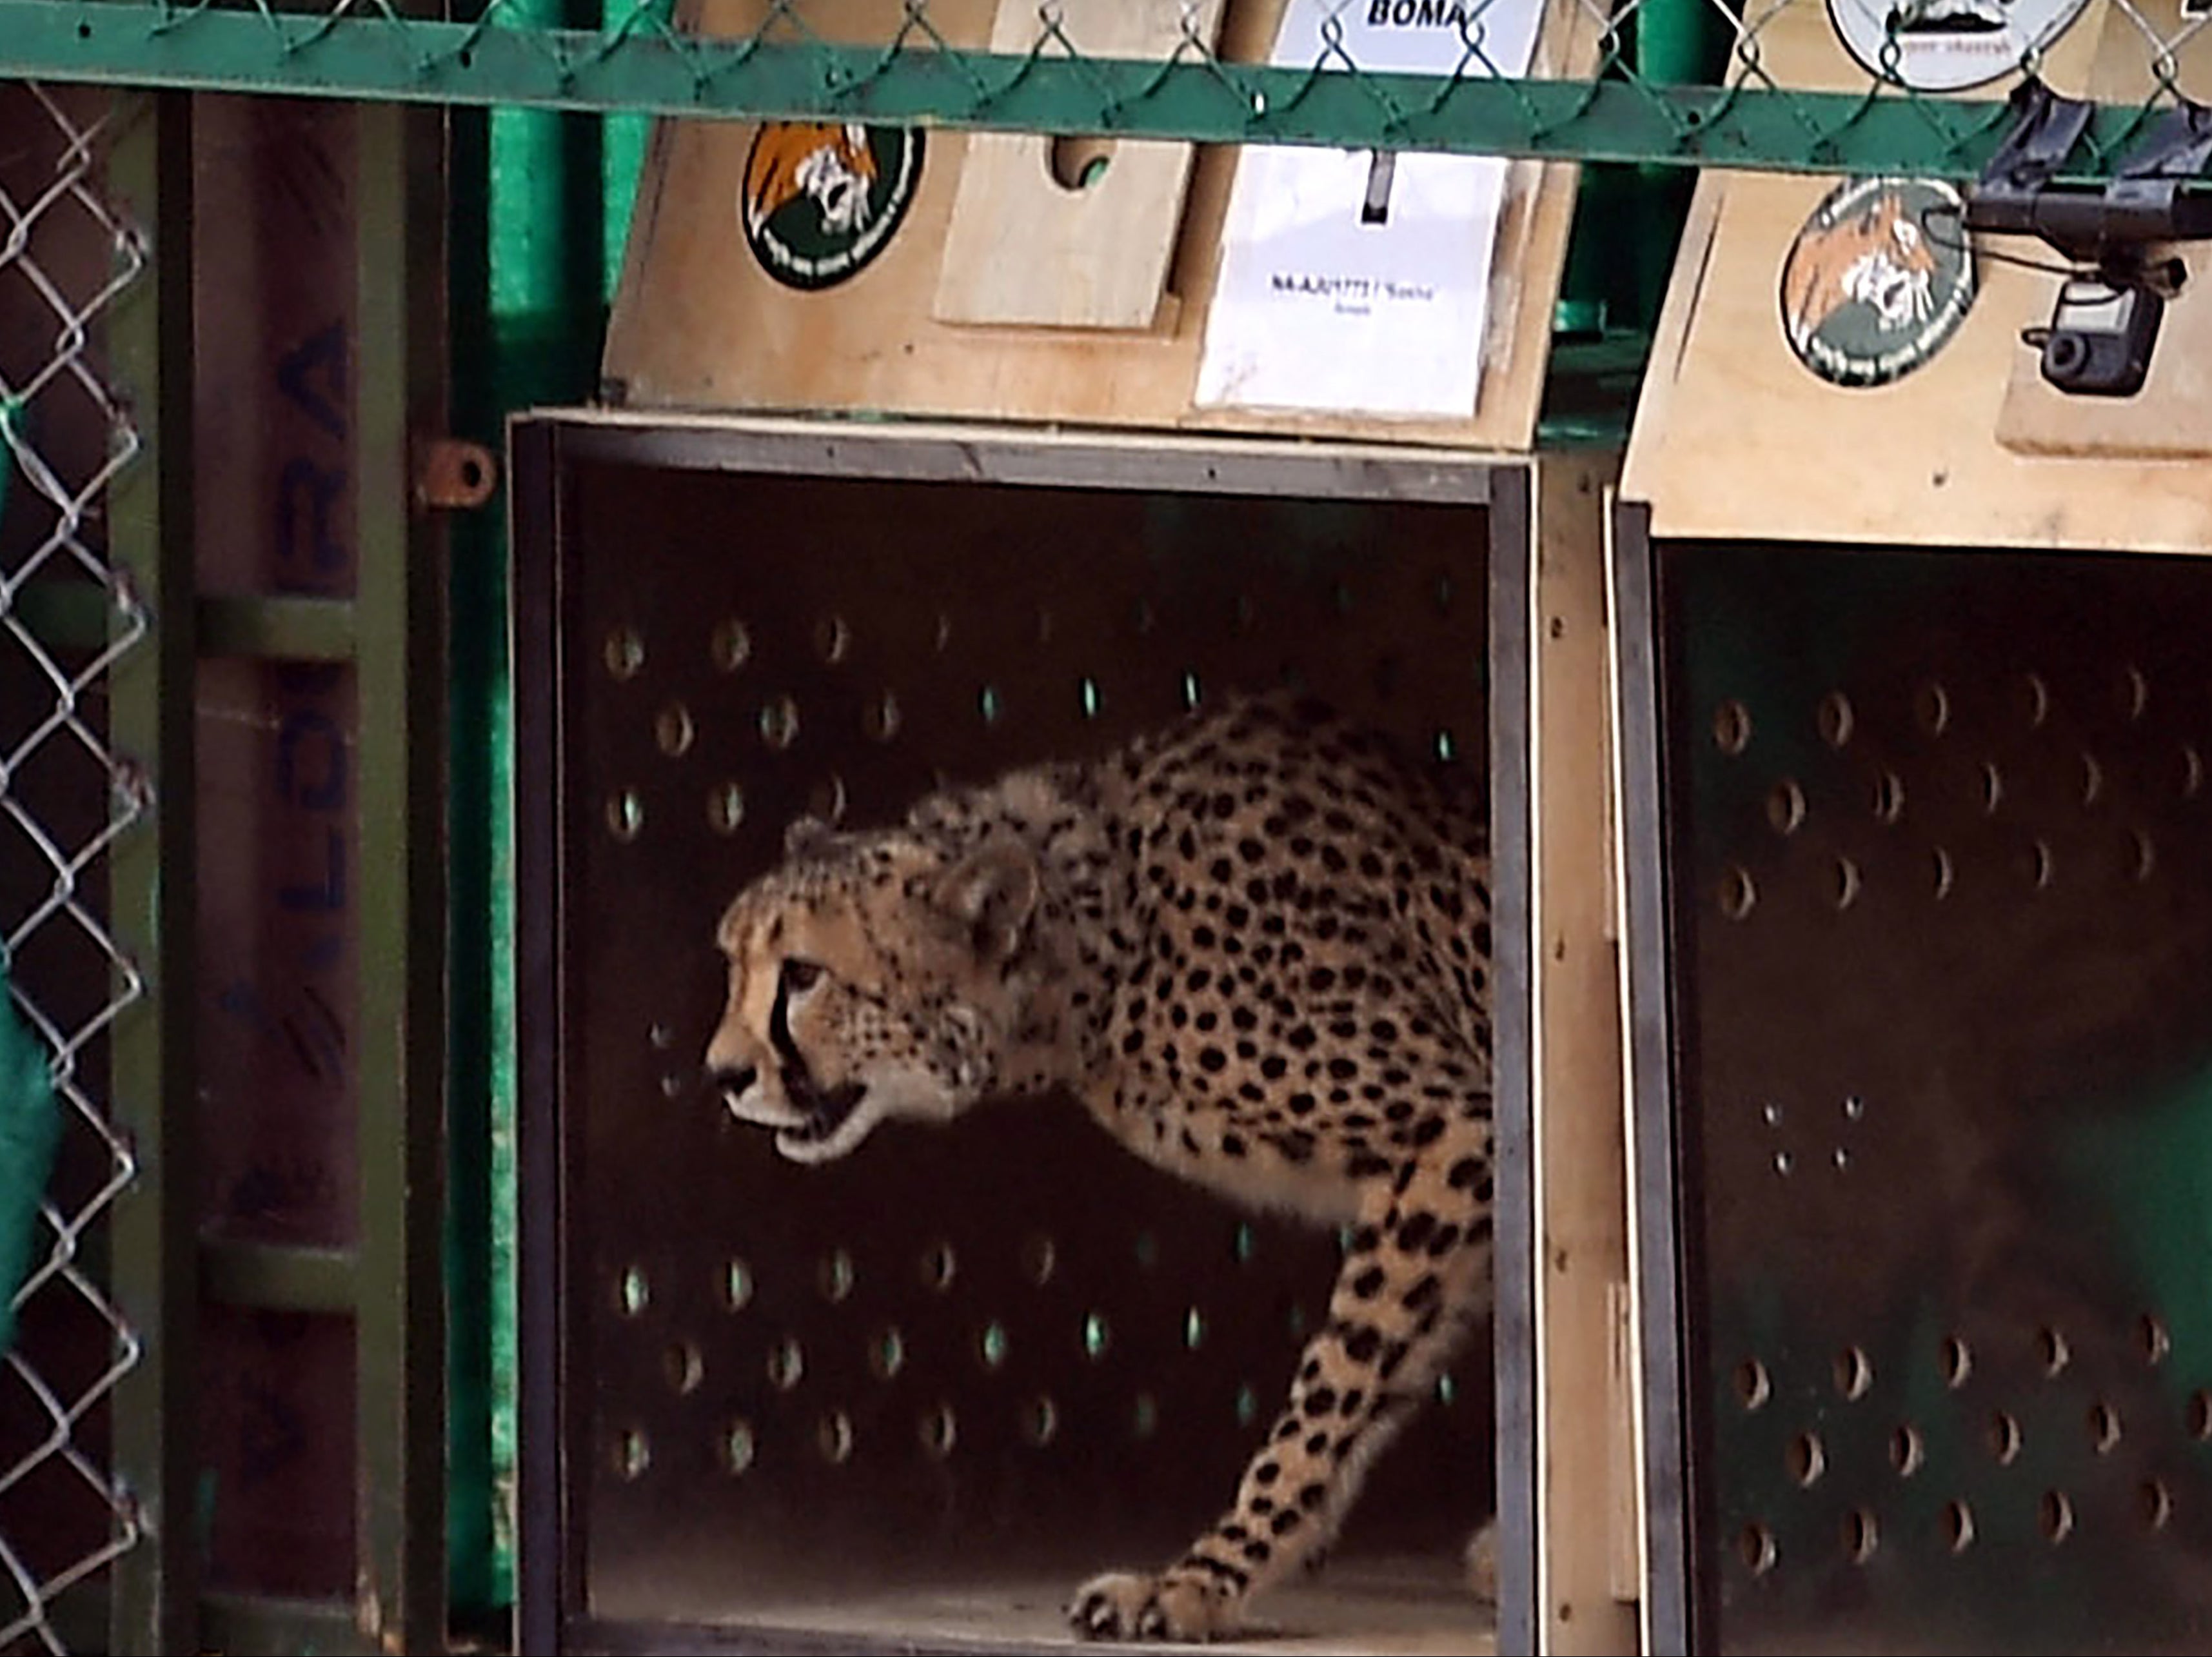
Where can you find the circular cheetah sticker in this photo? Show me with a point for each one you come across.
(1877, 280)
(822, 199)
(1941, 46)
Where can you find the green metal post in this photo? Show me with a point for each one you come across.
(400, 623)
(153, 1265)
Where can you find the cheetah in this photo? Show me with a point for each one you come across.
(1256, 946)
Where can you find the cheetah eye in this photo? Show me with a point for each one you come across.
(799, 975)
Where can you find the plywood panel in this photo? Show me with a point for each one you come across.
(697, 325)
(1034, 237)
(1734, 436)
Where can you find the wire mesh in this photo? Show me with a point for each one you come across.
(66, 255)
(1918, 83)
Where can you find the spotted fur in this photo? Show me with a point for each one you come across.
(1257, 948)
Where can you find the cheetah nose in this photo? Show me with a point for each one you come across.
(731, 1080)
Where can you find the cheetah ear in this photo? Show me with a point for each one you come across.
(805, 835)
(989, 895)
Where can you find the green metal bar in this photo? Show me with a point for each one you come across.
(279, 1278)
(151, 881)
(400, 666)
(1616, 121)
(277, 629)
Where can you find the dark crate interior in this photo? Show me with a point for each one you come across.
(934, 1385)
(1941, 874)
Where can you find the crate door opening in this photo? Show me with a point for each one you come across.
(1943, 928)
(983, 1359)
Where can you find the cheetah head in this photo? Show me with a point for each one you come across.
(870, 976)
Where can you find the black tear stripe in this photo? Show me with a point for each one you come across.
(779, 1029)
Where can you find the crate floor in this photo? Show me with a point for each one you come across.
(1394, 1606)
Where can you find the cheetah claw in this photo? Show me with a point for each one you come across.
(1124, 1605)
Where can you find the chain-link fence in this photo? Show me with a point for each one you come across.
(1821, 85)
(66, 253)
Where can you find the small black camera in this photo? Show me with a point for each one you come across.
(2100, 340)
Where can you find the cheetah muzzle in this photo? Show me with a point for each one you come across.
(1256, 947)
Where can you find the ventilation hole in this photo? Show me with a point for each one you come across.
(2104, 1428)
(2035, 698)
(833, 1434)
(681, 1362)
(2003, 1436)
(624, 653)
(2146, 854)
(1771, 1113)
(879, 719)
(1854, 1372)
(2199, 1413)
(779, 723)
(988, 704)
(1932, 708)
(1785, 806)
(734, 1446)
(1846, 891)
(833, 1274)
(736, 1286)
(942, 639)
(662, 1036)
(1243, 1243)
(786, 1364)
(671, 1086)
(725, 807)
(673, 730)
(625, 815)
(1783, 1162)
(1958, 1527)
(632, 1453)
(1907, 1451)
(1447, 1389)
(2152, 1339)
(1143, 617)
(2192, 771)
(833, 639)
(1993, 788)
(887, 1352)
(2036, 864)
(1732, 726)
(1446, 749)
(2052, 1348)
(2135, 691)
(940, 1430)
(1194, 1329)
(1147, 1250)
(1807, 1458)
(1738, 895)
(1294, 1321)
(939, 1266)
(1861, 1535)
(1888, 797)
(1753, 1386)
(1441, 591)
(1854, 1108)
(1077, 162)
(1840, 1157)
(1754, 1545)
(1958, 1362)
(826, 799)
(1247, 1405)
(1144, 1416)
(1087, 698)
(1943, 873)
(1835, 719)
(730, 646)
(2092, 779)
(633, 1294)
(2055, 1514)
(1039, 1259)
(1096, 1336)
(2155, 1502)
(1040, 1420)
(1191, 690)
(991, 1345)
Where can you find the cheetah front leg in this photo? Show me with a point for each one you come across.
(1416, 1274)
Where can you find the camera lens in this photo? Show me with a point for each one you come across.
(2065, 354)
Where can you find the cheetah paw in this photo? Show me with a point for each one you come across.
(1481, 1560)
(1172, 1606)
